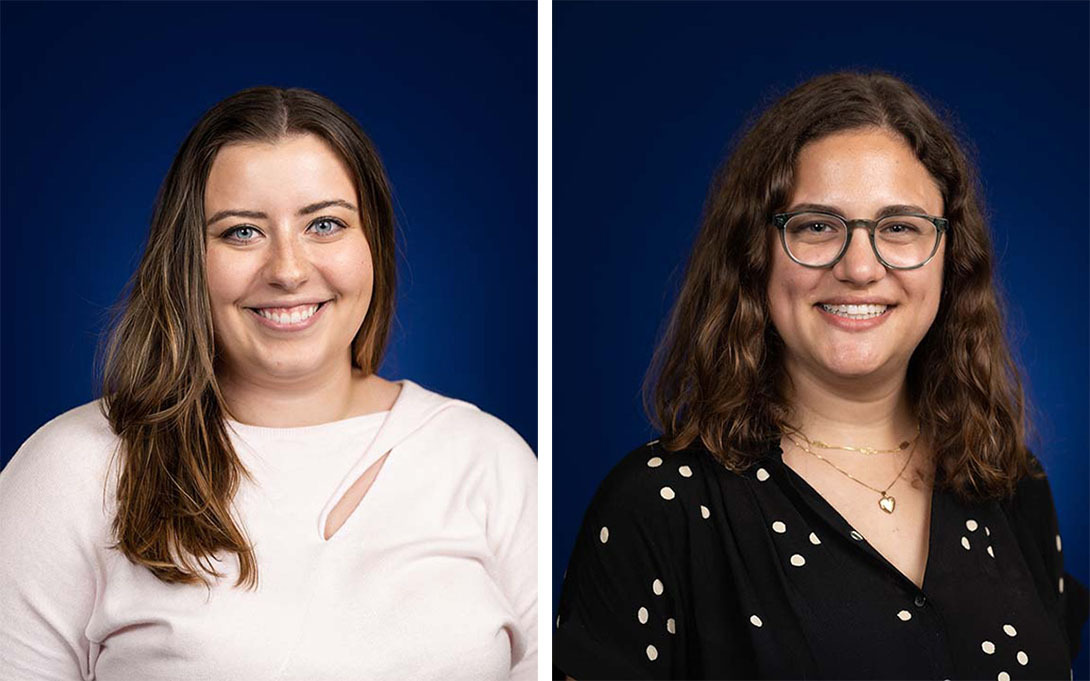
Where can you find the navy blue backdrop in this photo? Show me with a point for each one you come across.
(647, 97)
(96, 98)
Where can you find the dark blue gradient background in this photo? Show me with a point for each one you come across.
(647, 97)
(96, 98)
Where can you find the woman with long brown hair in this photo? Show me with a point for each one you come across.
(842, 488)
(249, 500)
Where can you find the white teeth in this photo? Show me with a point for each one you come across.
(855, 311)
(294, 316)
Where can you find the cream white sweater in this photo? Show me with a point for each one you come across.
(433, 576)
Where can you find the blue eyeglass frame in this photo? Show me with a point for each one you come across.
(942, 226)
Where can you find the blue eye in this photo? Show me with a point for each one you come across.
(241, 234)
(326, 226)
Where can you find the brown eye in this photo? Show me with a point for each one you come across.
(813, 227)
(900, 228)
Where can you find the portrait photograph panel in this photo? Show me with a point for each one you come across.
(271, 407)
(830, 328)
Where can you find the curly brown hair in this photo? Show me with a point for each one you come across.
(718, 373)
(179, 472)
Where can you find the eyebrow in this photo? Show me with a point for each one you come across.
(257, 215)
(899, 209)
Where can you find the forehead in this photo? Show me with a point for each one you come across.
(861, 172)
(290, 172)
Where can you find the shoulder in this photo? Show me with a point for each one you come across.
(652, 471)
(72, 447)
(480, 429)
(1032, 514)
(657, 487)
(467, 432)
(1032, 498)
(86, 422)
(56, 481)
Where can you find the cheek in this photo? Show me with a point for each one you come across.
(225, 276)
(928, 287)
(930, 292)
(788, 289)
(351, 271)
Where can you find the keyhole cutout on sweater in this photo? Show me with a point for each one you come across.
(351, 499)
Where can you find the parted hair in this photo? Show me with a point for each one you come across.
(718, 373)
(178, 473)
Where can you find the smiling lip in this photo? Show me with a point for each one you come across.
(855, 300)
(286, 311)
(848, 324)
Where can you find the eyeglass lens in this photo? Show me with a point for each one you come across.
(901, 240)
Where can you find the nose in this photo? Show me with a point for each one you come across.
(288, 266)
(860, 264)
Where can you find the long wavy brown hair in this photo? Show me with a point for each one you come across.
(718, 374)
(178, 472)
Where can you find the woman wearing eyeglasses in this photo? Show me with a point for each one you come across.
(842, 487)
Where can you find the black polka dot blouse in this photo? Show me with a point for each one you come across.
(684, 570)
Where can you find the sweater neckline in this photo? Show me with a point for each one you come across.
(372, 420)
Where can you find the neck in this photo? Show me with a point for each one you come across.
(875, 413)
(337, 393)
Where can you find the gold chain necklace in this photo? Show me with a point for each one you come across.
(887, 503)
(867, 451)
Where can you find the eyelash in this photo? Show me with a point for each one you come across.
(229, 235)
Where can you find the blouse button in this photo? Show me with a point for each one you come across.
(920, 601)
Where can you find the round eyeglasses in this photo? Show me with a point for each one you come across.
(901, 242)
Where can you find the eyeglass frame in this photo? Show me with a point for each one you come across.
(779, 220)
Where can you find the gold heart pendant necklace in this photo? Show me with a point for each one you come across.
(887, 503)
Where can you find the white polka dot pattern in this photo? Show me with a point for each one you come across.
(1003, 676)
(997, 655)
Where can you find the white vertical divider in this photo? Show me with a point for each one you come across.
(545, 333)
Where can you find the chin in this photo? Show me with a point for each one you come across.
(289, 367)
(854, 365)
